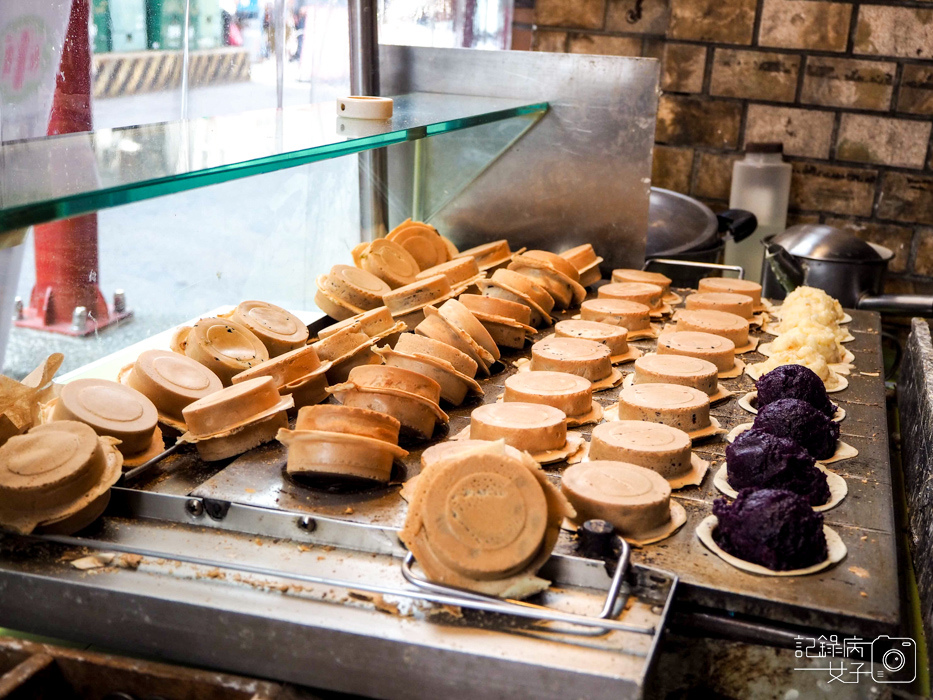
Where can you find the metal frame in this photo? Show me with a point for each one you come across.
(201, 618)
(581, 174)
(364, 80)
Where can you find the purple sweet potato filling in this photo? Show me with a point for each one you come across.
(760, 460)
(774, 528)
(811, 428)
(794, 382)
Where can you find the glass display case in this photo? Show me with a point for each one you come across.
(191, 215)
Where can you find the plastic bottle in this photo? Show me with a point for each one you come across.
(761, 185)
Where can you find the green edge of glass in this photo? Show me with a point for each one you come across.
(56, 208)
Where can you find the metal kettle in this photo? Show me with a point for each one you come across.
(838, 262)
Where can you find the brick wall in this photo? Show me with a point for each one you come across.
(846, 86)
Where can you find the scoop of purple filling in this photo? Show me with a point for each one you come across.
(811, 428)
(774, 528)
(794, 382)
(760, 460)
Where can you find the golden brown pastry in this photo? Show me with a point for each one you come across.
(279, 330)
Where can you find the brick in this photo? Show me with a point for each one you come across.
(830, 188)
(794, 218)
(689, 121)
(801, 24)
(551, 42)
(755, 75)
(906, 197)
(682, 67)
(714, 175)
(671, 168)
(923, 263)
(897, 142)
(897, 238)
(521, 38)
(638, 16)
(894, 31)
(523, 15)
(803, 132)
(730, 22)
(603, 45)
(847, 82)
(916, 94)
(585, 14)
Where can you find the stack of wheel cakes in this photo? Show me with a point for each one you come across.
(416, 322)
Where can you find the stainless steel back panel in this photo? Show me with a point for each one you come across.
(582, 174)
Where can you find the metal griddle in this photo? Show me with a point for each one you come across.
(241, 565)
(832, 600)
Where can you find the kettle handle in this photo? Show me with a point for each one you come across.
(789, 271)
(739, 223)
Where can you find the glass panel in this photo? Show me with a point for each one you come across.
(53, 178)
(267, 237)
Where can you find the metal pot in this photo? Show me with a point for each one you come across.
(681, 228)
(841, 264)
(679, 224)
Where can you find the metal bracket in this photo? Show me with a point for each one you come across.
(455, 597)
(215, 508)
(539, 613)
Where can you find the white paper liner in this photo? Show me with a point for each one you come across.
(594, 415)
(843, 449)
(835, 545)
(835, 382)
(751, 346)
(748, 403)
(613, 380)
(630, 356)
(573, 451)
(677, 520)
(698, 469)
(611, 413)
(837, 487)
(722, 393)
(736, 370)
